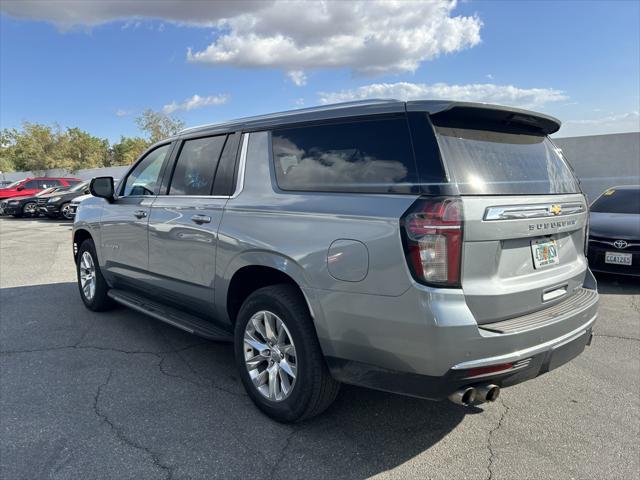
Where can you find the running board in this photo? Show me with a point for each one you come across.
(172, 316)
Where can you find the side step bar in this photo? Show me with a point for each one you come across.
(172, 316)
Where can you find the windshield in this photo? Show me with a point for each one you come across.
(618, 200)
(78, 186)
(14, 184)
(484, 162)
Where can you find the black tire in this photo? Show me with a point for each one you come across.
(25, 213)
(314, 389)
(100, 300)
(62, 211)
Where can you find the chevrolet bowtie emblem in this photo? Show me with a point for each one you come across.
(555, 209)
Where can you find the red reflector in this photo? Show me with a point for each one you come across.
(474, 372)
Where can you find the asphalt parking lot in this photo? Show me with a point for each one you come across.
(118, 395)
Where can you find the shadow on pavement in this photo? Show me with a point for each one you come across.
(612, 284)
(41, 219)
(120, 393)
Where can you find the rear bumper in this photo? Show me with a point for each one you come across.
(532, 364)
(425, 342)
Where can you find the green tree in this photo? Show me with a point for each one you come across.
(158, 125)
(7, 149)
(37, 148)
(79, 149)
(127, 150)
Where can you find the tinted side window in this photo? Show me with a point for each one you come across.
(224, 184)
(144, 179)
(196, 166)
(31, 184)
(365, 156)
(48, 183)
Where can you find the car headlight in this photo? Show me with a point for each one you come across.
(54, 199)
(13, 202)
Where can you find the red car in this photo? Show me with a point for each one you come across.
(31, 186)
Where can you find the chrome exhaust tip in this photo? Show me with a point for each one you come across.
(488, 393)
(465, 396)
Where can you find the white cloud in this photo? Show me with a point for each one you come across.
(612, 123)
(297, 77)
(479, 92)
(123, 113)
(195, 102)
(370, 37)
(68, 14)
(367, 36)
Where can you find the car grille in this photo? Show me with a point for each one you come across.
(633, 246)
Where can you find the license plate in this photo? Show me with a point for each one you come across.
(618, 258)
(545, 253)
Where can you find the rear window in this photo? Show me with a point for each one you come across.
(484, 162)
(371, 156)
(621, 200)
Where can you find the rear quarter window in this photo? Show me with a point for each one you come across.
(368, 156)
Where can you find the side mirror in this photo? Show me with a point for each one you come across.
(102, 187)
(20, 188)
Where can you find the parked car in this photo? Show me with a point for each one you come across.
(614, 233)
(58, 204)
(73, 206)
(24, 206)
(430, 248)
(31, 186)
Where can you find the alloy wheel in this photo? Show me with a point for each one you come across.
(270, 356)
(87, 276)
(66, 211)
(30, 208)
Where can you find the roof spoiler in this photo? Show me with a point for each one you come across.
(446, 113)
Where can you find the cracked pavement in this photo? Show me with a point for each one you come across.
(118, 395)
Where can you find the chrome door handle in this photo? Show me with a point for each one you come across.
(200, 219)
(140, 213)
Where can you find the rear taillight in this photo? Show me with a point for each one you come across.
(586, 231)
(432, 237)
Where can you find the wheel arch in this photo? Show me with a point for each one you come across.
(79, 236)
(252, 270)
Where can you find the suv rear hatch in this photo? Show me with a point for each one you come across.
(524, 217)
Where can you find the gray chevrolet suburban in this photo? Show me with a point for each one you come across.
(429, 248)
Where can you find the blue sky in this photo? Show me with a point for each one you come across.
(96, 65)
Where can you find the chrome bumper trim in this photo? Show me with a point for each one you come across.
(528, 352)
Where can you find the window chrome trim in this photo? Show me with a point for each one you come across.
(239, 181)
(241, 165)
(514, 212)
